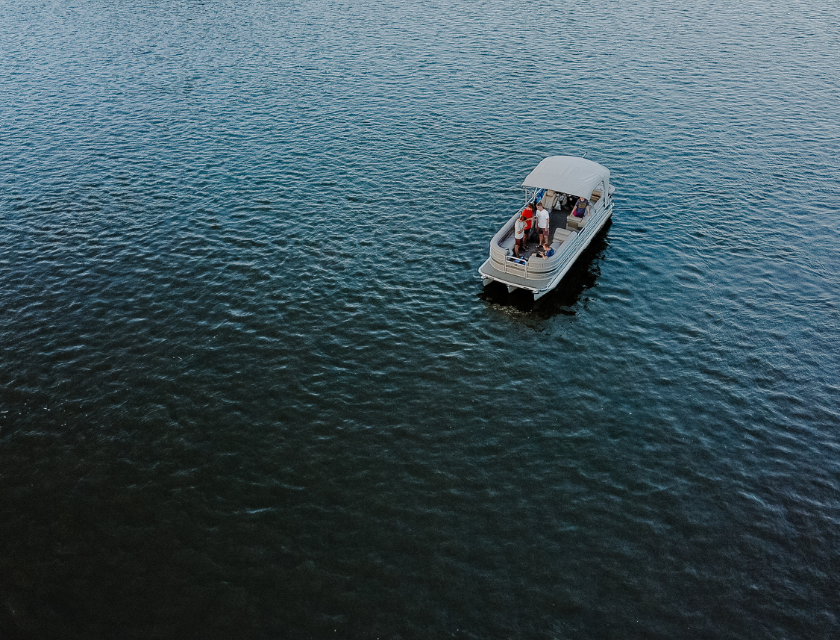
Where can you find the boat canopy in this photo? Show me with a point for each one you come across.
(567, 174)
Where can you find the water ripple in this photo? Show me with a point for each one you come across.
(250, 385)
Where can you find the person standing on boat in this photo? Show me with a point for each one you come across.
(519, 234)
(581, 208)
(528, 212)
(542, 223)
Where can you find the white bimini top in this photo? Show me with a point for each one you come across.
(567, 174)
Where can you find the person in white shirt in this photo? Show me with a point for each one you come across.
(519, 234)
(542, 223)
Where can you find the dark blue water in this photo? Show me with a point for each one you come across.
(251, 387)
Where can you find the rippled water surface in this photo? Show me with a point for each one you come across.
(251, 387)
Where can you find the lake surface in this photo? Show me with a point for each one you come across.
(251, 386)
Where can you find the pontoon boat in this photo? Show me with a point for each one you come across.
(558, 182)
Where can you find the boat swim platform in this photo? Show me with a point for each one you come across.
(511, 279)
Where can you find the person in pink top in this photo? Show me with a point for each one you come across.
(581, 208)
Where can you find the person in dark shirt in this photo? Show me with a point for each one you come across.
(581, 208)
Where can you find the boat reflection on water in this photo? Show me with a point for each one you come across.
(564, 298)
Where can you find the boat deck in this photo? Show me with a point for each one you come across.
(556, 220)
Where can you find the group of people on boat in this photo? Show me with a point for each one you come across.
(525, 230)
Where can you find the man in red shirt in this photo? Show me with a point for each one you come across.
(528, 212)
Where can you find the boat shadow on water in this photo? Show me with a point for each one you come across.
(562, 300)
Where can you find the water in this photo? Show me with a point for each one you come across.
(250, 385)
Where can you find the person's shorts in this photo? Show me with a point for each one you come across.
(519, 241)
(543, 232)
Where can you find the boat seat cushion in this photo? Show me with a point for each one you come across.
(574, 223)
(561, 234)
